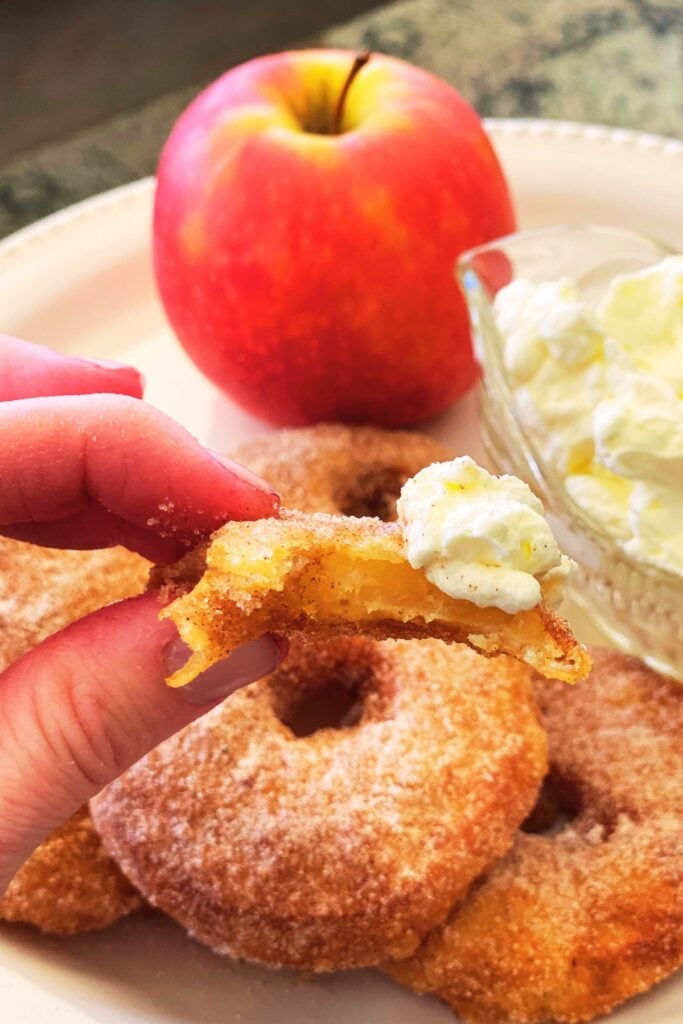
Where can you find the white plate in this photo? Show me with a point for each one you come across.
(81, 282)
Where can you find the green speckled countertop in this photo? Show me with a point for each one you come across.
(616, 62)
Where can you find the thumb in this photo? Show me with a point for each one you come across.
(88, 702)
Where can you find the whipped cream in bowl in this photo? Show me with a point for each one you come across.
(580, 335)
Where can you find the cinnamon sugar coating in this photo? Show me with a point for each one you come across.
(44, 589)
(568, 926)
(322, 848)
(69, 884)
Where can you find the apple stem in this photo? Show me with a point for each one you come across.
(360, 60)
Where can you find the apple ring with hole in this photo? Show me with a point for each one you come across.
(569, 925)
(69, 884)
(338, 469)
(327, 816)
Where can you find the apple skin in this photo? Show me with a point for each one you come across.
(310, 275)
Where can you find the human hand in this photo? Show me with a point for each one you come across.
(85, 464)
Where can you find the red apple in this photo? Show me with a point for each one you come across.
(307, 266)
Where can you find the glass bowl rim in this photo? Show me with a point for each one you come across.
(550, 230)
(501, 393)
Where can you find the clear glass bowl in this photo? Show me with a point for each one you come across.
(637, 606)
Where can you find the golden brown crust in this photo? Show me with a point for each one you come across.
(566, 927)
(69, 884)
(322, 575)
(44, 589)
(339, 847)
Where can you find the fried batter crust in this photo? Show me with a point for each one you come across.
(566, 927)
(69, 884)
(342, 846)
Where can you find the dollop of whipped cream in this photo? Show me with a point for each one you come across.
(481, 538)
(599, 386)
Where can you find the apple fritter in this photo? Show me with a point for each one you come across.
(69, 884)
(317, 576)
(571, 923)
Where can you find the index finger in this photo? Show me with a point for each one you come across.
(29, 371)
(61, 459)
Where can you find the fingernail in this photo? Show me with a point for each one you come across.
(106, 364)
(248, 663)
(123, 369)
(245, 474)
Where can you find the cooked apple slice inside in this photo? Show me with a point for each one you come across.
(321, 575)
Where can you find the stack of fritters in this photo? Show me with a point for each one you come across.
(363, 804)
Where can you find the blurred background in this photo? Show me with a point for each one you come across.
(72, 63)
(90, 88)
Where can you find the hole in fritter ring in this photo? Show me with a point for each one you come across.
(557, 806)
(374, 493)
(324, 685)
(332, 707)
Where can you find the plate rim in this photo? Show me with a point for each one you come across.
(537, 128)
